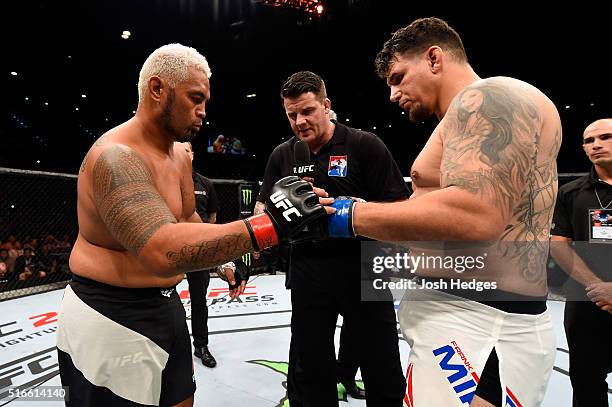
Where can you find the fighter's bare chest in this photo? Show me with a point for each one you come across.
(425, 170)
(171, 186)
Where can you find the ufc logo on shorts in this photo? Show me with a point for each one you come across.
(280, 201)
(127, 359)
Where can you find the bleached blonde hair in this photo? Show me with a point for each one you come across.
(170, 62)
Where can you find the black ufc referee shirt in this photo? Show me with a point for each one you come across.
(353, 163)
(576, 214)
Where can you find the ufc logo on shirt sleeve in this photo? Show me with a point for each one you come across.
(280, 201)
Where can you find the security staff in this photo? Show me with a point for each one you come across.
(207, 207)
(325, 275)
(583, 215)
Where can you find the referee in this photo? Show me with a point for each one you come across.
(325, 275)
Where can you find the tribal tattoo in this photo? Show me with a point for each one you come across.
(127, 199)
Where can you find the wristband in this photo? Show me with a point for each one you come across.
(262, 232)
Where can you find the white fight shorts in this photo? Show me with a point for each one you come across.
(451, 339)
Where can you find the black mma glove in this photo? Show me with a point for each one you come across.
(291, 206)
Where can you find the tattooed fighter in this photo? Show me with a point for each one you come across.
(123, 338)
(487, 173)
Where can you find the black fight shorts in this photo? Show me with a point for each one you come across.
(123, 346)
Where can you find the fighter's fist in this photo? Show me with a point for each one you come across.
(291, 206)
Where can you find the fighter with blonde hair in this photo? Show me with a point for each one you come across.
(122, 337)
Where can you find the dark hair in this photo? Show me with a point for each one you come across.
(304, 82)
(417, 38)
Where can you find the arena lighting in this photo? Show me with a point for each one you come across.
(307, 6)
(125, 35)
(14, 73)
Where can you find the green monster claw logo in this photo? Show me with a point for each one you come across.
(246, 259)
(283, 367)
(247, 196)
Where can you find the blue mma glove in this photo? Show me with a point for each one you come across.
(340, 223)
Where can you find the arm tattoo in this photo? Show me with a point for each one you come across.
(126, 198)
(491, 139)
(209, 253)
(84, 163)
(99, 143)
(492, 149)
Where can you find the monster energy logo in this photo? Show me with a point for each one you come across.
(283, 368)
(246, 259)
(247, 196)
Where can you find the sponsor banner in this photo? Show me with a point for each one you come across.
(262, 294)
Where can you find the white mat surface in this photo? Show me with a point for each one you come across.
(249, 338)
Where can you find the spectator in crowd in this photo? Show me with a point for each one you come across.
(33, 243)
(15, 251)
(4, 267)
(9, 244)
(9, 263)
(64, 243)
(26, 266)
(47, 262)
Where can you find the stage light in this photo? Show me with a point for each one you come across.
(306, 6)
